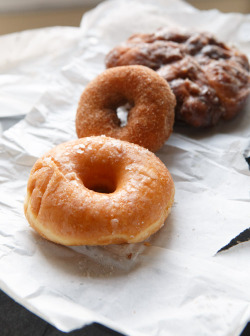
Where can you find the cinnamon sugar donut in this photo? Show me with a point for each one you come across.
(150, 119)
(210, 80)
(98, 191)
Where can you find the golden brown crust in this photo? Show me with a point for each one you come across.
(151, 118)
(134, 193)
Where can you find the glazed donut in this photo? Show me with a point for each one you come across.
(210, 80)
(150, 119)
(98, 191)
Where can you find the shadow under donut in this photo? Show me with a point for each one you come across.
(100, 261)
(91, 261)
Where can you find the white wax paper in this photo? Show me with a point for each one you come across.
(28, 63)
(174, 286)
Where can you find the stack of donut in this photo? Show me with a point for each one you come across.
(99, 190)
(108, 187)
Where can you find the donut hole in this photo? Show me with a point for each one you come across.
(101, 179)
(101, 185)
(122, 113)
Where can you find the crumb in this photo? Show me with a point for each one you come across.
(129, 256)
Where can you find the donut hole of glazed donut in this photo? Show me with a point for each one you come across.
(100, 178)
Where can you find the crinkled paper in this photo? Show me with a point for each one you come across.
(177, 284)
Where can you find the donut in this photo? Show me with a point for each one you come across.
(98, 191)
(210, 80)
(150, 117)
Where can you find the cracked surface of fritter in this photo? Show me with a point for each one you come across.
(210, 80)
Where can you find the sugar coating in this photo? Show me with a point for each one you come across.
(151, 117)
(62, 203)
